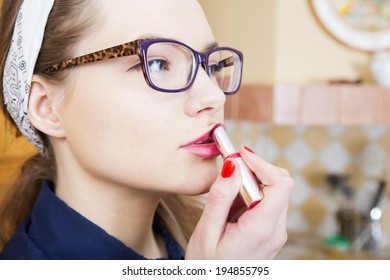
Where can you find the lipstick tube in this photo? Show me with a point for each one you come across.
(250, 191)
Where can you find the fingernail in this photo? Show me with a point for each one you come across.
(249, 149)
(228, 168)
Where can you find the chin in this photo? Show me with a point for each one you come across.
(201, 181)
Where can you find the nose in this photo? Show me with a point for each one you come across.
(204, 97)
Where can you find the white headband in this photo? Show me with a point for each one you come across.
(20, 63)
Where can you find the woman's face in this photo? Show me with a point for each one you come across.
(123, 132)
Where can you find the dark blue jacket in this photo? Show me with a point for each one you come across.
(53, 230)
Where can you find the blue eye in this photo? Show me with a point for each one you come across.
(158, 65)
(215, 68)
(221, 65)
(155, 66)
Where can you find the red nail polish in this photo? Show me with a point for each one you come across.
(228, 168)
(249, 149)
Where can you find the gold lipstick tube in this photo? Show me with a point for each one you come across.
(250, 191)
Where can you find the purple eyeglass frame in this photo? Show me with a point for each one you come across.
(140, 47)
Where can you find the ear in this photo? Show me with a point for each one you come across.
(43, 107)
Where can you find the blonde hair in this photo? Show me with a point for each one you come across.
(67, 24)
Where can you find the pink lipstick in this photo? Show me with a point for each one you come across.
(250, 190)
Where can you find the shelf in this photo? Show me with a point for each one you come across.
(311, 104)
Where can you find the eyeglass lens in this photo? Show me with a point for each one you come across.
(172, 66)
(225, 69)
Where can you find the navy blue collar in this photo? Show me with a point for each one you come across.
(62, 233)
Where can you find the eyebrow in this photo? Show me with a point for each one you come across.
(211, 46)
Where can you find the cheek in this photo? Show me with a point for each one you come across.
(106, 123)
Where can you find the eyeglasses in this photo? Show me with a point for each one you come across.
(169, 65)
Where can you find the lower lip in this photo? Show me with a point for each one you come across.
(203, 150)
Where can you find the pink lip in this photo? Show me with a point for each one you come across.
(206, 150)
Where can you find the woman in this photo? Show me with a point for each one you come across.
(122, 141)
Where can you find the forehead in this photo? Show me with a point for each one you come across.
(127, 20)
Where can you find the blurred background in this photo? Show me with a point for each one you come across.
(315, 100)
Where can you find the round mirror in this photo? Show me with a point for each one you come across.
(360, 24)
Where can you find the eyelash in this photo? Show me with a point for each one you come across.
(138, 67)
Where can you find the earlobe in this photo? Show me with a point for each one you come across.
(43, 108)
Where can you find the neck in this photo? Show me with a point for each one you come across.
(123, 212)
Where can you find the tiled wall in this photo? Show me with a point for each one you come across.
(310, 153)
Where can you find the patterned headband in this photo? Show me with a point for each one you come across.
(20, 63)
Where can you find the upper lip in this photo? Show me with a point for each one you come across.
(203, 138)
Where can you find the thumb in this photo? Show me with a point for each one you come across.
(220, 199)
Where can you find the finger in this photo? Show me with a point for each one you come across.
(267, 229)
(268, 213)
(220, 199)
(264, 171)
(237, 209)
(279, 193)
(280, 234)
(281, 224)
(276, 194)
(284, 171)
(276, 198)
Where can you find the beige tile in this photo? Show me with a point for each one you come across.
(384, 141)
(237, 135)
(282, 135)
(314, 211)
(315, 174)
(354, 140)
(317, 137)
(254, 134)
(283, 163)
(356, 176)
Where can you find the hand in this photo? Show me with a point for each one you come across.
(258, 233)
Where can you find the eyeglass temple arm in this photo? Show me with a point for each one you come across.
(125, 49)
(226, 62)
